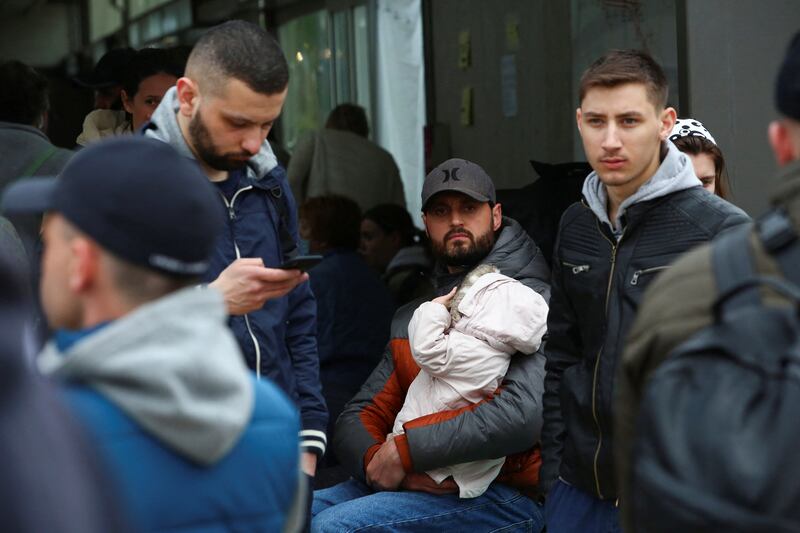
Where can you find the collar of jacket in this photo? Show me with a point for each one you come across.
(23, 128)
(163, 125)
(675, 173)
(787, 193)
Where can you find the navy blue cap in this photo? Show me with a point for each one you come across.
(787, 86)
(137, 198)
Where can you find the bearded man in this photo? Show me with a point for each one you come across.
(390, 488)
(220, 114)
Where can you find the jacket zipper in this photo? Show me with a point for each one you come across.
(576, 269)
(638, 273)
(614, 248)
(232, 216)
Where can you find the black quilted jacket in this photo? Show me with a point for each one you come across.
(597, 284)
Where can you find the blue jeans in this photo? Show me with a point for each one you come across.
(570, 510)
(353, 506)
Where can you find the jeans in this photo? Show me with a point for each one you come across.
(353, 506)
(570, 510)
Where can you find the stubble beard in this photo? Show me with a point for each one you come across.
(208, 152)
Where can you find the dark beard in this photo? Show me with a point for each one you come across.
(207, 152)
(464, 256)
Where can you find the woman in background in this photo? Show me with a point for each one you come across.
(148, 76)
(693, 139)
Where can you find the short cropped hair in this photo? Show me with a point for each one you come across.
(24, 98)
(239, 50)
(619, 67)
(139, 285)
(332, 219)
(349, 117)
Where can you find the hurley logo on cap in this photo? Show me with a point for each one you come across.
(450, 174)
(459, 175)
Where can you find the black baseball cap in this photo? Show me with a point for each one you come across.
(459, 175)
(109, 71)
(787, 86)
(137, 198)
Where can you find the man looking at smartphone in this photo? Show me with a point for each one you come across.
(220, 114)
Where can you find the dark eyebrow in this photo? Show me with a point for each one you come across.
(592, 114)
(236, 116)
(630, 114)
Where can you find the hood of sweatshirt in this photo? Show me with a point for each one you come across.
(164, 126)
(675, 173)
(173, 366)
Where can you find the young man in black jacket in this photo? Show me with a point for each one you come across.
(643, 206)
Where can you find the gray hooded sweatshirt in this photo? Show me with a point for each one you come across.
(675, 173)
(174, 367)
(167, 130)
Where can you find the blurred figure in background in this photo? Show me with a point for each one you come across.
(24, 147)
(354, 309)
(194, 441)
(694, 140)
(106, 78)
(51, 480)
(394, 247)
(149, 73)
(340, 159)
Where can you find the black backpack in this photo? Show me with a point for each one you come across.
(718, 432)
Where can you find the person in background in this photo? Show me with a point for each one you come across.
(25, 150)
(106, 78)
(340, 159)
(694, 140)
(354, 309)
(192, 440)
(51, 479)
(394, 247)
(24, 103)
(150, 72)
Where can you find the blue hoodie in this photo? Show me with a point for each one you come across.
(278, 340)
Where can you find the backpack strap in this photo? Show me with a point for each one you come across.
(777, 233)
(288, 245)
(733, 264)
(41, 159)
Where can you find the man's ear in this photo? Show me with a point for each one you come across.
(578, 118)
(667, 118)
(425, 223)
(780, 138)
(188, 96)
(497, 217)
(84, 268)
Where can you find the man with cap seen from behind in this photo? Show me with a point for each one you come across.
(145, 356)
(390, 488)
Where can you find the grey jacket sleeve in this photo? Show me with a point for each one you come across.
(508, 423)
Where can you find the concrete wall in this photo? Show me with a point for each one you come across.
(734, 50)
(542, 127)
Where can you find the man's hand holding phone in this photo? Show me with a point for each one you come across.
(246, 284)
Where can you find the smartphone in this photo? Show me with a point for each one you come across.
(301, 262)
